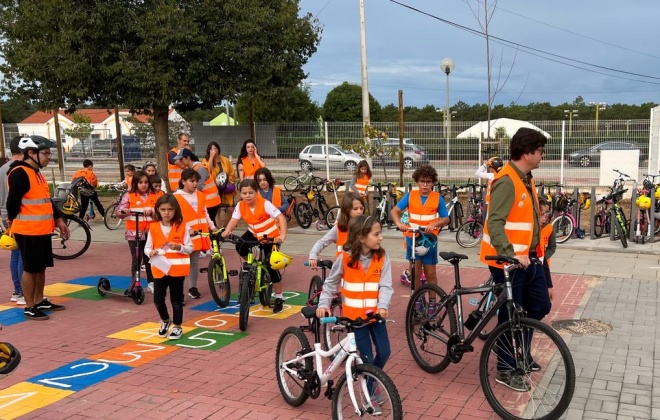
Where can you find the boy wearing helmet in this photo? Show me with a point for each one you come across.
(490, 167)
(32, 216)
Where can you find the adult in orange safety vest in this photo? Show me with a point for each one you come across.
(173, 168)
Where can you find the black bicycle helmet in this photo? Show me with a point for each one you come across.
(34, 143)
(496, 163)
(10, 358)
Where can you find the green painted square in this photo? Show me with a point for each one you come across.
(205, 339)
(87, 294)
(295, 298)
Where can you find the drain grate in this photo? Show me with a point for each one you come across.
(581, 326)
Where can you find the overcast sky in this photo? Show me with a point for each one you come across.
(405, 47)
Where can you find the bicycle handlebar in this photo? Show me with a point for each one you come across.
(621, 173)
(352, 323)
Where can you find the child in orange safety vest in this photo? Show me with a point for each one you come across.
(169, 246)
(360, 181)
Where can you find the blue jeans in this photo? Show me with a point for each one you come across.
(376, 332)
(16, 267)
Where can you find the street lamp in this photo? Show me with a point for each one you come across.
(570, 114)
(447, 66)
(600, 106)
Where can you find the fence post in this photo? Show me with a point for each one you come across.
(592, 217)
(563, 144)
(652, 215)
(633, 213)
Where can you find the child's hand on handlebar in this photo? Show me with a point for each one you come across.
(402, 227)
(323, 312)
(280, 239)
(383, 313)
(312, 263)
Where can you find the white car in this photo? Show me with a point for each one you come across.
(314, 156)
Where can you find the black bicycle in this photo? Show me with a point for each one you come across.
(528, 358)
(316, 206)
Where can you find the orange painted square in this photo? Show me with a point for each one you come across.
(134, 353)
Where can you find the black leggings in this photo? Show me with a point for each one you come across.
(244, 249)
(175, 284)
(213, 211)
(84, 202)
(135, 264)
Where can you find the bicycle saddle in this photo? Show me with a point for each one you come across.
(309, 312)
(452, 257)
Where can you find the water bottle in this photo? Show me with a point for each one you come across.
(473, 319)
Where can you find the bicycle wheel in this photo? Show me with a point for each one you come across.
(218, 283)
(563, 227)
(80, 237)
(375, 394)
(315, 286)
(245, 296)
(469, 234)
(599, 225)
(427, 333)
(111, 221)
(543, 371)
(292, 342)
(620, 229)
(291, 183)
(316, 183)
(330, 337)
(303, 214)
(266, 290)
(331, 216)
(458, 213)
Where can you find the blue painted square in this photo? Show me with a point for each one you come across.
(11, 316)
(119, 282)
(79, 375)
(232, 308)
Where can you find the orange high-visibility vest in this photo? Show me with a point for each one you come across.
(361, 184)
(137, 203)
(342, 236)
(173, 172)
(195, 221)
(249, 168)
(88, 175)
(259, 223)
(359, 289)
(36, 214)
(423, 215)
(277, 197)
(546, 232)
(519, 226)
(209, 189)
(180, 261)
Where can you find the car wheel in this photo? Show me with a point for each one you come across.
(305, 165)
(350, 166)
(585, 161)
(408, 163)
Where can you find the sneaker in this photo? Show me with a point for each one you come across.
(150, 287)
(164, 328)
(47, 305)
(176, 333)
(35, 313)
(374, 407)
(143, 267)
(510, 379)
(194, 293)
(279, 305)
(14, 296)
(533, 366)
(433, 309)
(378, 396)
(20, 300)
(419, 308)
(405, 278)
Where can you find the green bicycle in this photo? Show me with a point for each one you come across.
(217, 272)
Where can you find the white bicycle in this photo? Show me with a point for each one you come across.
(363, 391)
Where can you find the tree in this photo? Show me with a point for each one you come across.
(14, 110)
(344, 103)
(279, 104)
(81, 129)
(149, 55)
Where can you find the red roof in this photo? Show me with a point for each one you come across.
(97, 116)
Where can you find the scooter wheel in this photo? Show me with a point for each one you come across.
(103, 286)
(138, 295)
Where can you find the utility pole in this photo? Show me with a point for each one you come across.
(366, 117)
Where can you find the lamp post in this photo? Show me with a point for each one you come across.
(570, 114)
(600, 106)
(447, 66)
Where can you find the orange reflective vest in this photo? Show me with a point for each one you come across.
(173, 172)
(359, 289)
(259, 222)
(180, 262)
(544, 240)
(277, 197)
(137, 203)
(88, 175)
(249, 167)
(423, 215)
(195, 220)
(36, 214)
(519, 226)
(361, 184)
(209, 189)
(342, 236)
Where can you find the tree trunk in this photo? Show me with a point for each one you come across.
(162, 142)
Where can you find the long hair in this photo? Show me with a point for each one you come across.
(243, 153)
(363, 163)
(346, 207)
(269, 176)
(137, 176)
(187, 174)
(207, 156)
(359, 228)
(168, 198)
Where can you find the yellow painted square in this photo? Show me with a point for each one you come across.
(60, 289)
(262, 312)
(213, 321)
(25, 397)
(9, 305)
(145, 333)
(134, 354)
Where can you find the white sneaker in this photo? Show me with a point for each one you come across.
(20, 300)
(150, 287)
(14, 296)
(143, 267)
(176, 333)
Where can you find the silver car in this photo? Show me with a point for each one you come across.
(313, 156)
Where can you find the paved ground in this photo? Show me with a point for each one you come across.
(101, 359)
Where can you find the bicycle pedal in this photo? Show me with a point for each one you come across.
(204, 270)
(232, 273)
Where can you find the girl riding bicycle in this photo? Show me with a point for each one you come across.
(352, 206)
(169, 245)
(363, 273)
(262, 218)
(196, 218)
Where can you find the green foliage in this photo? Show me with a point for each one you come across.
(16, 110)
(81, 128)
(279, 104)
(344, 103)
(371, 146)
(198, 116)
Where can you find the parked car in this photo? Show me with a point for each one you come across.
(591, 155)
(92, 148)
(413, 156)
(395, 141)
(314, 156)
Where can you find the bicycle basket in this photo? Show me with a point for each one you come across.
(560, 202)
